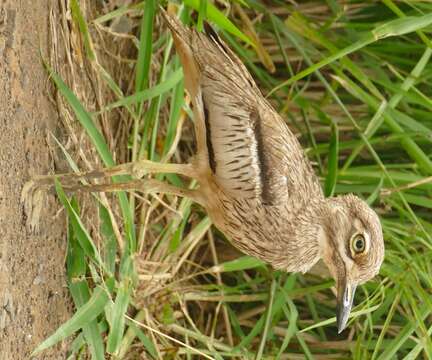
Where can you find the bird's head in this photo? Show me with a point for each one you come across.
(352, 248)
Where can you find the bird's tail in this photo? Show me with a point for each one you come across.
(175, 26)
(183, 41)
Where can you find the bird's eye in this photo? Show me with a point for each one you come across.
(358, 243)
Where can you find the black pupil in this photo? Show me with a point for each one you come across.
(359, 244)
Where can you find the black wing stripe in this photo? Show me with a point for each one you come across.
(210, 149)
(212, 34)
(264, 174)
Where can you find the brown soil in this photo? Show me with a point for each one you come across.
(33, 298)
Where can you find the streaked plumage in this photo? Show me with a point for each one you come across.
(255, 181)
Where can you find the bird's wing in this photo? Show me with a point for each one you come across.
(243, 151)
(251, 152)
(255, 154)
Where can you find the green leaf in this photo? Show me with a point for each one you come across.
(123, 298)
(214, 15)
(202, 14)
(145, 46)
(276, 307)
(242, 263)
(402, 26)
(118, 316)
(268, 320)
(168, 314)
(84, 315)
(80, 340)
(82, 25)
(75, 260)
(78, 287)
(148, 94)
(81, 294)
(110, 241)
(145, 340)
(79, 229)
(332, 166)
(178, 234)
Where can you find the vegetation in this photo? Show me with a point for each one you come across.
(149, 275)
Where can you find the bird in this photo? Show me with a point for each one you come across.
(255, 181)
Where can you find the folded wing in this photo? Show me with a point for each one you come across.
(251, 152)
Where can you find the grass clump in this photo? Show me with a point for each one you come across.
(148, 274)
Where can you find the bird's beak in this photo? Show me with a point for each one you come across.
(345, 297)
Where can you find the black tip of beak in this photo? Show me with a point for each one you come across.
(341, 319)
(344, 304)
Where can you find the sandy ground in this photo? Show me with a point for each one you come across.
(33, 297)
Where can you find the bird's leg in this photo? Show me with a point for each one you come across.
(136, 169)
(192, 77)
(143, 185)
(199, 124)
(201, 161)
(33, 198)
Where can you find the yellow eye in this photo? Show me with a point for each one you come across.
(358, 243)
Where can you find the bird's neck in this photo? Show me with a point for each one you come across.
(297, 246)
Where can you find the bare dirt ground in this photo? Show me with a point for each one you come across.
(33, 296)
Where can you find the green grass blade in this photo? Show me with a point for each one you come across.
(118, 316)
(217, 17)
(202, 14)
(378, 118)
(145, 46)
(410, 146)
(121, 10)
(267, 321)
(242, 263)
(292, 316)
(82, 25)
(85, 119)
(78, 287)
(79, 229)
(81, 318)
(148, 94)
(145, 340)
(176, 104)
(81, 294)
(332, 166)
(402, 26)
(109, 237)
(393, 347)
(392, 28)
(119, 308)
